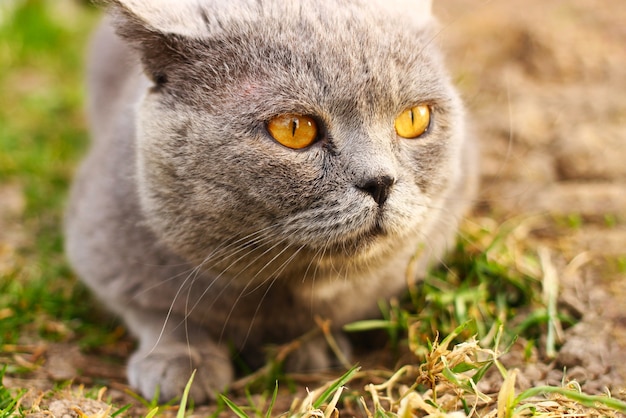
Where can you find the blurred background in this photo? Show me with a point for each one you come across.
(42, 134)
(545, 85)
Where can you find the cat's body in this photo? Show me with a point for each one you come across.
(200, 230)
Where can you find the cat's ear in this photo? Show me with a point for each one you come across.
(180, 17)
(417, 12)
(160, 30)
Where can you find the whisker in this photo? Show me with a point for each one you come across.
(275, 276)
(245, 291)
(221, 274)
(191, 278)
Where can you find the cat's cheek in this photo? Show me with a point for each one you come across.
(290, 178)
(405, 212)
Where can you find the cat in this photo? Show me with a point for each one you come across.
(258, 163)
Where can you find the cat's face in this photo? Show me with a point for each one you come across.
(219, 182)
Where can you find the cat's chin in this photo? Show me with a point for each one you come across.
(366, 245)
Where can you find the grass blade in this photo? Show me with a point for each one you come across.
(152, 413)
(590, 401)
(121, 410)
(268, 414)
(233, 407)
(368, 325)
(183, 400)
(336, 385)
(506, 396)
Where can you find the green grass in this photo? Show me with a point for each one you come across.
(489, 280)
(42, 133)
(491, 290)
(8, 399)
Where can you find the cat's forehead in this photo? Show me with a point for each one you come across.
(254, 74)
(359, 70)
(338, 55)
(350, 70)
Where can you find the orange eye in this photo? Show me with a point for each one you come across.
(413, 122)
(293, 131)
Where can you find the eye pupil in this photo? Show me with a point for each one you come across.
(413, 122)
(294, 127)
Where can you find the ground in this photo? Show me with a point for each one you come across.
(541, 82)
(544, 85)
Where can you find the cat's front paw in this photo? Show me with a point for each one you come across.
(316, 355)
(168, 367)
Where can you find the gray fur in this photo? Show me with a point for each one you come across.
(197, 228)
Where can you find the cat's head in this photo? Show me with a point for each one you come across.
(274, 132)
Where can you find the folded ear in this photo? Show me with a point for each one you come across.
(160, 30)
(164, 31)
(417, 12)
(179, 17)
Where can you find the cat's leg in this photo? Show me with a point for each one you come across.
(169, 350)
(316, 354)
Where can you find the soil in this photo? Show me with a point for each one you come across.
(544, 84)
(541, 81)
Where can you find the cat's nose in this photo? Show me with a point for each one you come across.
(378, 187)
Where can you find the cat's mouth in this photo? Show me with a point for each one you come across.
(337, 235)
(361, 243)
(377, 229)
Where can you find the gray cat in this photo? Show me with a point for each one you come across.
(257, 163)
